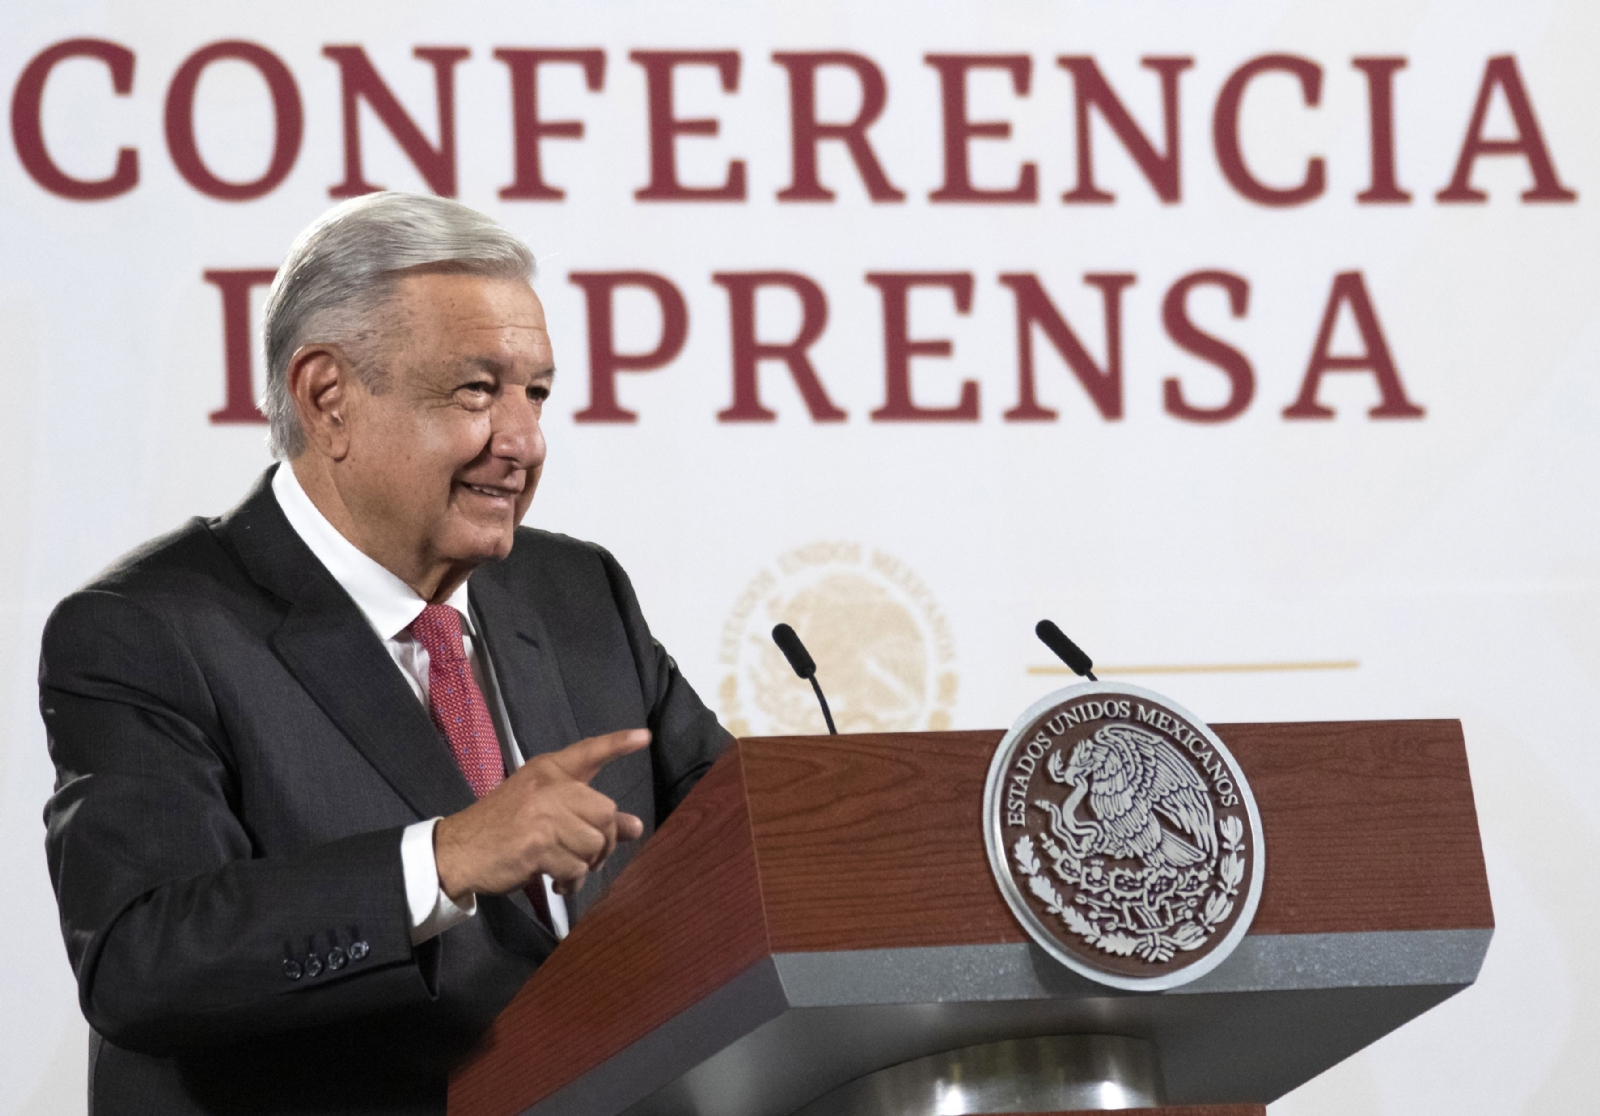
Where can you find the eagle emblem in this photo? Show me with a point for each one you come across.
(1134, 781)
(1124, 835)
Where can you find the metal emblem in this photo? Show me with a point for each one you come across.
(1123, 836)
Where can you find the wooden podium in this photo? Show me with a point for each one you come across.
(821, 908)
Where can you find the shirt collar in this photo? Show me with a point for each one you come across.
(389, 604)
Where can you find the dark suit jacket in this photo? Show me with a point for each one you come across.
(237, 756)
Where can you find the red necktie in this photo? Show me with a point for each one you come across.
(455, 702)
(459, 712)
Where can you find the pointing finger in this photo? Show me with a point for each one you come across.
(582, 761)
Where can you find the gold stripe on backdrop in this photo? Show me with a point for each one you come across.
(1208, 668)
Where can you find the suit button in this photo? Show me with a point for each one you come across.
(313, 965)
(336, 959)
(359, 950)
(292, 970)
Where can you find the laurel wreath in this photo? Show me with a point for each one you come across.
(1156, 945)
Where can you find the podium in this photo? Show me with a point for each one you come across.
(821, 909)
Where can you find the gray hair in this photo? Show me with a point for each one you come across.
(343, 269)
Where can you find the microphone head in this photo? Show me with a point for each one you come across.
(793, 650)
(1067, 651)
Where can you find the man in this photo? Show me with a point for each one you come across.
(336, 769)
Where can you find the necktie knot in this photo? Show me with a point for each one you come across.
(438, 628)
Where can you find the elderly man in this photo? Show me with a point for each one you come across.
(336, 769)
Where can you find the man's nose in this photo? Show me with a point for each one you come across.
(516, 435)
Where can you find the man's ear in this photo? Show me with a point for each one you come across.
(320, 382)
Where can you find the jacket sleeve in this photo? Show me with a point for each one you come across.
(179, 932)
(687, 737)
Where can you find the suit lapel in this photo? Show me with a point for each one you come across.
(529, 677)
(337, 657)
(329, 647)
(525, 667)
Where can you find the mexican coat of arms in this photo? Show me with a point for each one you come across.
(1124, 836)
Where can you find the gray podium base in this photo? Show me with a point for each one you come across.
(1057, 1073)
(797, 1026)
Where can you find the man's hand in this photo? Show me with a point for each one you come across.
(545, 818)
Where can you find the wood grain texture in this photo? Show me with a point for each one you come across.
(1369, 825)
(874, 841)
(680, 922)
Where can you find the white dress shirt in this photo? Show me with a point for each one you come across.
(390, 605)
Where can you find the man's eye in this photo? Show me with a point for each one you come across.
(538, 392)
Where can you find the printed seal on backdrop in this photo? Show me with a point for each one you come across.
(1124, 836)
(884, 650)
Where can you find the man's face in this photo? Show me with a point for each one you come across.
(444, 456)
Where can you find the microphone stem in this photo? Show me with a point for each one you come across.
(827, 714)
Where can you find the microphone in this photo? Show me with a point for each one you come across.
(799, 658)
(1067, 651)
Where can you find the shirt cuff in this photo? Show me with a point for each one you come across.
(432, 911)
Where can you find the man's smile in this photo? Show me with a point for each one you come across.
(493, 491)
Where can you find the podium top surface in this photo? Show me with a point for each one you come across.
(847, 877)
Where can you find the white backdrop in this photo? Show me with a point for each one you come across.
(1443, 566)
